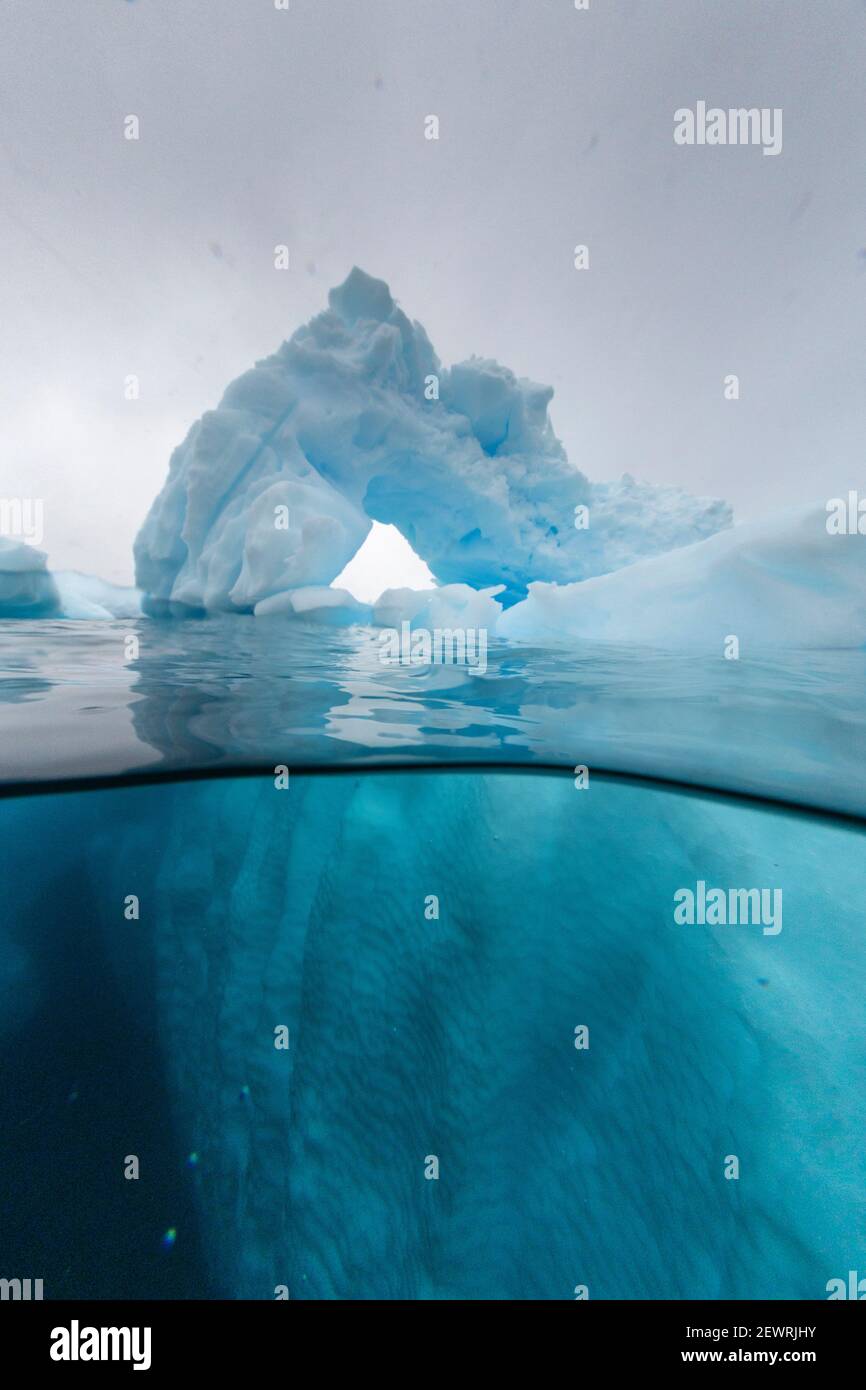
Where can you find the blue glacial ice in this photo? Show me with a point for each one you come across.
(451, 1036)
(454, 1035)
(354, 419)
(29, 590)
(783, 583)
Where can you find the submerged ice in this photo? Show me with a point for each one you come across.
(430, 986)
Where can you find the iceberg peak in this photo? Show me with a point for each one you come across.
(361, 296)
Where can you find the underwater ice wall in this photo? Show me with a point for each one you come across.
(353, 419)
(428, 1017)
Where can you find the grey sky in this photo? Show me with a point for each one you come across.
(258, 127)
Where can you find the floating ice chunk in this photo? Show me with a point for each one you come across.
(354, 419)
(779, 583)
(335, 607)
(452, 606)
(27, 590)
(86, 596)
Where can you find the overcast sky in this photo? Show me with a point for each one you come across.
(260, 127)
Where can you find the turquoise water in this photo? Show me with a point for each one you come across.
(233, 693)
(431, 935)
(411, 1037)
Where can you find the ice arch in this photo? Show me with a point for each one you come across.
(386, 560)
(355, 420)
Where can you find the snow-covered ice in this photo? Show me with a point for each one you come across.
(452, 605)
(354, 424)
(780, 583)
(355, 419)
(336, 607)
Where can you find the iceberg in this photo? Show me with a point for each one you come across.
(336, 607)
(787, 582)
(27, 590)
(451, 606)
(355, 420)
(85, 596)
(407, 1036)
